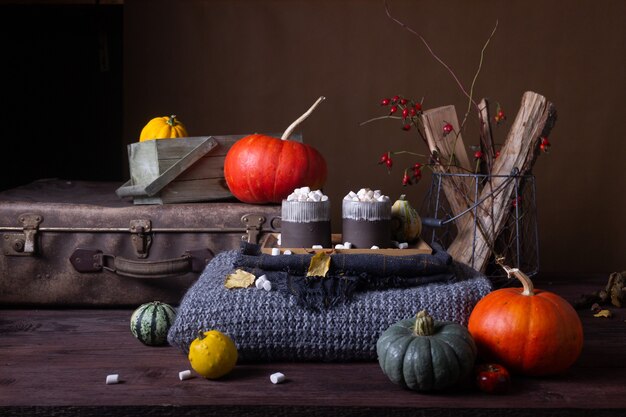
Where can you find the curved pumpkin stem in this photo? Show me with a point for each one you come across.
(300, 119)
(522, 277)
(424, 324)
(172, 120)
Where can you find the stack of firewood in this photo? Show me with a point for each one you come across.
(478, 229)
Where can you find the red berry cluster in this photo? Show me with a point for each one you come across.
(417, 175)
(386, 159)
(544, 145)
(500, 116)
(408, 108)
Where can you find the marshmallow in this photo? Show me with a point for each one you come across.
(267, 285)
(347, 245)
(277, 378)
(259, 281)
(339, 246)
(403, 245)
(374, 247)
(182, 375)
(317, 247)
(306, 194)
(275, 251)
(113, 379)
(287, 252)
(366, 195)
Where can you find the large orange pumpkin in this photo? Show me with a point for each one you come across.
(530, 331)
(263, 169)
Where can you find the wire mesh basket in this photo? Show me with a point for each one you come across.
(518, 240)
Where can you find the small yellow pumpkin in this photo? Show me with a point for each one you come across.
(406, 224)
(212, 354)
(163, 128)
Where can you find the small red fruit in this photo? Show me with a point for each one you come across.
(395, 99)
(406, 180)
(406, 127)
(492, 378)
(393, 109)
(403, 101)
(418, 106)
(412, 111)
(385, 102)
(405, 113)
(478, 155)
(383, 158)
(389, 163)
(447, 128)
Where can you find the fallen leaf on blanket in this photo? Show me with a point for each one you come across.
(320, 263)
(604, 313)
(239, 279)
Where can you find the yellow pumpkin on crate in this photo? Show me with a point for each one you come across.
(165, 127)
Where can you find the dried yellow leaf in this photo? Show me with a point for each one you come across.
(319, 266)
(604, 313)
(239, 279)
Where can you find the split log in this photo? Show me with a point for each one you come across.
(449, 150)
(486, 144)
(534, 120)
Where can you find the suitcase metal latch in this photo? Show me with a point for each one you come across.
(140, 235)
(254, 224)
(25, 243)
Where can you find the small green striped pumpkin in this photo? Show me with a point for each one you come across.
(151, 322)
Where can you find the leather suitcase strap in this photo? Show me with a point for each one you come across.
(93, 260)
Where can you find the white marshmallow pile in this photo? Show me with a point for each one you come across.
(366, 195)
(263, 283)
(344, 245)
(400, 245)
(306, 194)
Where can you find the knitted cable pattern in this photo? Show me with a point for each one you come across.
(270, 326)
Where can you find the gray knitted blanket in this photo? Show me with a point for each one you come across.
(270, 326)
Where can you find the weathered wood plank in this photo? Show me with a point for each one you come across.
(58, 360)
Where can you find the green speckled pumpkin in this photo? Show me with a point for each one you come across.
(425, 355)
(151, 322)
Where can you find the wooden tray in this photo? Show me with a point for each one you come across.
(270, 241)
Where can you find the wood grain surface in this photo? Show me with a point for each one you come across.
(55, 362)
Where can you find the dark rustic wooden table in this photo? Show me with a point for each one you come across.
(55, 362)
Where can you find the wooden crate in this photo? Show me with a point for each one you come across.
(178, 170)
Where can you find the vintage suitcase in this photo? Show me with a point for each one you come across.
(75, 243)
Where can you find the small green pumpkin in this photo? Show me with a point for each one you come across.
(151, 321)
(406, 222)
(425, 355)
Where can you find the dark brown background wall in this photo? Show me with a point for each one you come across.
(254, 66)
(238, 66)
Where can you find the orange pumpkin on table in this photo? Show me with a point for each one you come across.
(530, 331)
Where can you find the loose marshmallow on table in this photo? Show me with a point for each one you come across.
(275, 251)
(182, 375)
(277, 378)
(113, 379)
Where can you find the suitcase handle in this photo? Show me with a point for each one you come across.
(93, 260)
